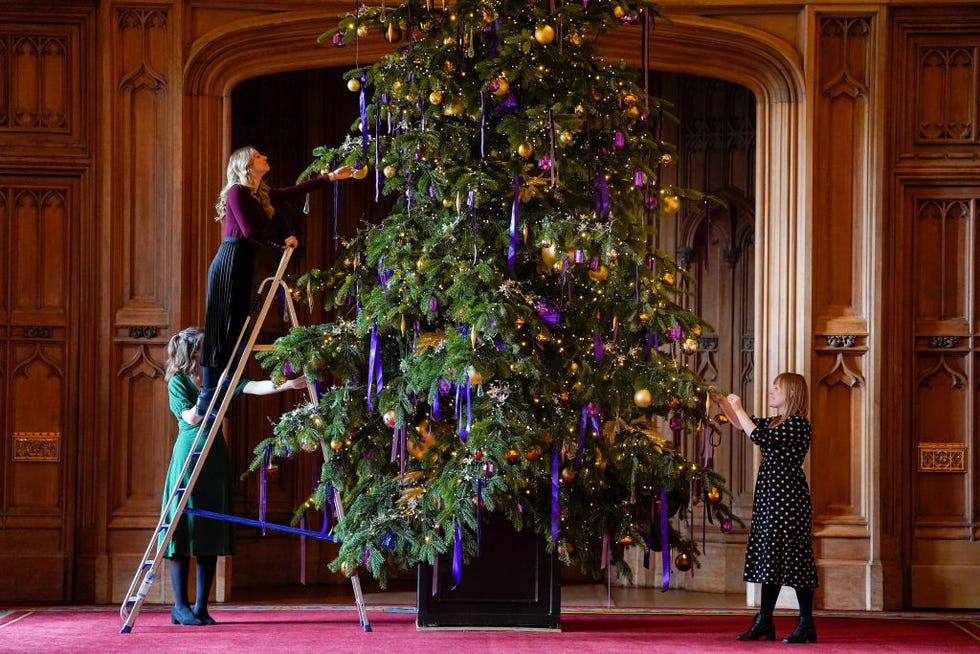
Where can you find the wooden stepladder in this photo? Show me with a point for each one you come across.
(206, 434)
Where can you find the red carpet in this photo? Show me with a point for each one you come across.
(333, 629)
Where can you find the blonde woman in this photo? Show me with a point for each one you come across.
(246, 207)
(780, 546)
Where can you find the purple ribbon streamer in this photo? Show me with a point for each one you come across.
(469, 203)
(372, 361)
(514, 220)
(457, 556)
(664, 536)
(581, 436)
(597, 345)
(363, 107)
(555, 508)
(494, 42)
(551, 137)
(483, 122)
(263, 483)
(479, 511)
(403, 441)
(435, 407)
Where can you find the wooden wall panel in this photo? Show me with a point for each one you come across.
(42, 100)
(37, 382)
(936, 171)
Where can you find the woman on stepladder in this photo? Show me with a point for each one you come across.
(203, 538)
(245, 204)
(780, 546)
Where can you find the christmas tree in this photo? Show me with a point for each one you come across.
(506, 339)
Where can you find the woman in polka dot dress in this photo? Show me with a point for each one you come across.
(780, 548)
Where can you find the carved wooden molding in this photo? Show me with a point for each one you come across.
(847, 77)
(942, 457)
(36, 447)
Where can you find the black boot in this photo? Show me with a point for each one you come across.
(805, 632)
(762, 627)
(205, 577)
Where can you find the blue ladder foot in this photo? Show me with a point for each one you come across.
(126, 629)
(367, 627)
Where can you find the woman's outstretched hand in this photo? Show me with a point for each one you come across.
(344, 172)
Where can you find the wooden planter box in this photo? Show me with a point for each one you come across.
(513, 584)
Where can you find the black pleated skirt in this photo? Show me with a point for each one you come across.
(228, 299)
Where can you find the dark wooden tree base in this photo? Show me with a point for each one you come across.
(513, 584)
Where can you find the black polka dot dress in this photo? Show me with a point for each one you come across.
(780, 548)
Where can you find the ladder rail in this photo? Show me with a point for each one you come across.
(146, 573)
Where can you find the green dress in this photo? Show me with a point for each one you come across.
(196, 536)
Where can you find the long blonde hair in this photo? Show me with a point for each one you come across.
(180, 353)
(797, 396)
(239, 172)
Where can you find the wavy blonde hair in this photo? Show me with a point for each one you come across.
(239, 172)
(180, 353)
(797, 396)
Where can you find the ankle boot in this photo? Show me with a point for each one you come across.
(762, 627)
(183, 615)
(805, 632)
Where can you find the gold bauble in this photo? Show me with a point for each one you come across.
(389, 171)
(525, 149)
(665, 159)
(642, 398)
(668, 278)
(360, 173)
(513, 455)
(435, 97)
(618, 11)
(690, 346)
(714, 495)
(362, 30)
(393, 34)
(533, 454)
(389, 418)
(566, 137)
(683, 562)
(599, 274)
(549, 254)
(475, 377)
(696, 330)
(671, 204)
(544, 34)
(354, 84)
(502, 86)
(336, 444)
(575, 38)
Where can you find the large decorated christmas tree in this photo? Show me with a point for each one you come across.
(507, 339)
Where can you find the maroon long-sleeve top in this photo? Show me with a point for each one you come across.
(244, 216)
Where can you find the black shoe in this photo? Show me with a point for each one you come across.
(183, 615)
(204, 616)
(805, 632)
(761, 628)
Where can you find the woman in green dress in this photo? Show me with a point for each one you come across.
(203, 538)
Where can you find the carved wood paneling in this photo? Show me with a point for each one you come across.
(939, 81)
(142, 215)
(41, 97)
(37, 378)
(842, 275)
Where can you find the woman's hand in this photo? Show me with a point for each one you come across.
(292, 241)
(296, 383)
(344, 172)
(735, 401)
(190, 416)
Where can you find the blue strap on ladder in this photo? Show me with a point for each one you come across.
(256, 523)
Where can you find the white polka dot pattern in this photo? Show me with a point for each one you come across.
(780, 547)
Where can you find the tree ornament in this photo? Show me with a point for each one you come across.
(354, 85)
(475, 377)
(362, 30)
(513, 455)
(668, 278)
(683, 562)
(544, 34)
(690, 346)
(389, 171)
(575, 38)
(549, 254)
(726, 525)
(671, 204)
(566, 137)
(626, 541)
(642, 398)
(525, 149)
(392, 33)
(389, 418)
(665, 159)
(435, 97)
(599, 274)
(336, 444)
(568, 474)
(360, 172)
(533, 454)
(714, 495)
(499, 86)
